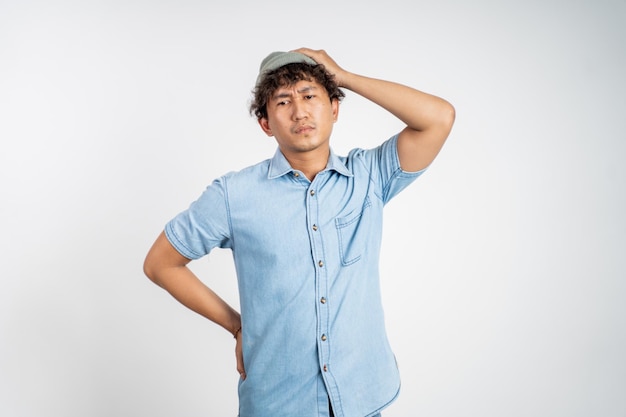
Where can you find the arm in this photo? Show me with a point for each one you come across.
(428, 118)
(168, 269)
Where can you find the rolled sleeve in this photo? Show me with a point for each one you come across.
(203, 226)
(383, 164)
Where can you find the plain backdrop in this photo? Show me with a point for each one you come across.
(503, 267)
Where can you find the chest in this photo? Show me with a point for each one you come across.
(286, 215)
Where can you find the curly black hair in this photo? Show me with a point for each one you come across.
(289, 75)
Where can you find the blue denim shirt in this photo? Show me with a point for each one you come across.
(306, 255)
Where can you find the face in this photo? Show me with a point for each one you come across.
(301, 118)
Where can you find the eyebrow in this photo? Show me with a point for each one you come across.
(286, 94)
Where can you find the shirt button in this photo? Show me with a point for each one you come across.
(296, 174)
(320, 263)
(315, 228)
(323, 300)
(323, 338)
(325, 368)
(312, 192)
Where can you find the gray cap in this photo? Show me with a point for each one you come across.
(278, 59)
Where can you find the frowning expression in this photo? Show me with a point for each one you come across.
(301, 118)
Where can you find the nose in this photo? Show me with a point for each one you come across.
(300, 109)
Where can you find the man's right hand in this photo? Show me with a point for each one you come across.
(239, 355)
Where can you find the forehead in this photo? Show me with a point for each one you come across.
(299, 87)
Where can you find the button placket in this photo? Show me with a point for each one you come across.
(321, 274)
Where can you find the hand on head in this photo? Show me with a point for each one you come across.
(321, 57)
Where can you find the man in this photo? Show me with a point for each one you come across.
(304, 228)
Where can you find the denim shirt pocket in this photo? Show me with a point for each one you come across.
(351, 234)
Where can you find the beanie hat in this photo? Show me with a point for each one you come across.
(278, 59)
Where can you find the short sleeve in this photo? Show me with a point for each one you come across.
(384, 166)
(204, 225)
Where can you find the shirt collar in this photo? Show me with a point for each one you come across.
(279, 165)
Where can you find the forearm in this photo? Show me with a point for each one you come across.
(168, 269)
(421, 112)
(185, 287)
(418, 110)
(428, 118)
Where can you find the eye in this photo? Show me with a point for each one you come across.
(309, 96)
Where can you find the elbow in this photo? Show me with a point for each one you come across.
(448, 116)
(149, 269)
(445, 121)
(161, 261)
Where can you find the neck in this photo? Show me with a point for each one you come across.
(310, 165)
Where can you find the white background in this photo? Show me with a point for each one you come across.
(504, 267)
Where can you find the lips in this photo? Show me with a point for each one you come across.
(304, 129)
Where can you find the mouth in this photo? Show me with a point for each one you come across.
(304, 129)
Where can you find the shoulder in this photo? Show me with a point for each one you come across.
(372, 157)
(246, 174)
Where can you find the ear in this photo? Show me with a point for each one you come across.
(265, 126)
(335, 108)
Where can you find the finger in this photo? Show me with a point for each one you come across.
(311, 53)
(305, 51)
(239, 356)
(242, 372)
